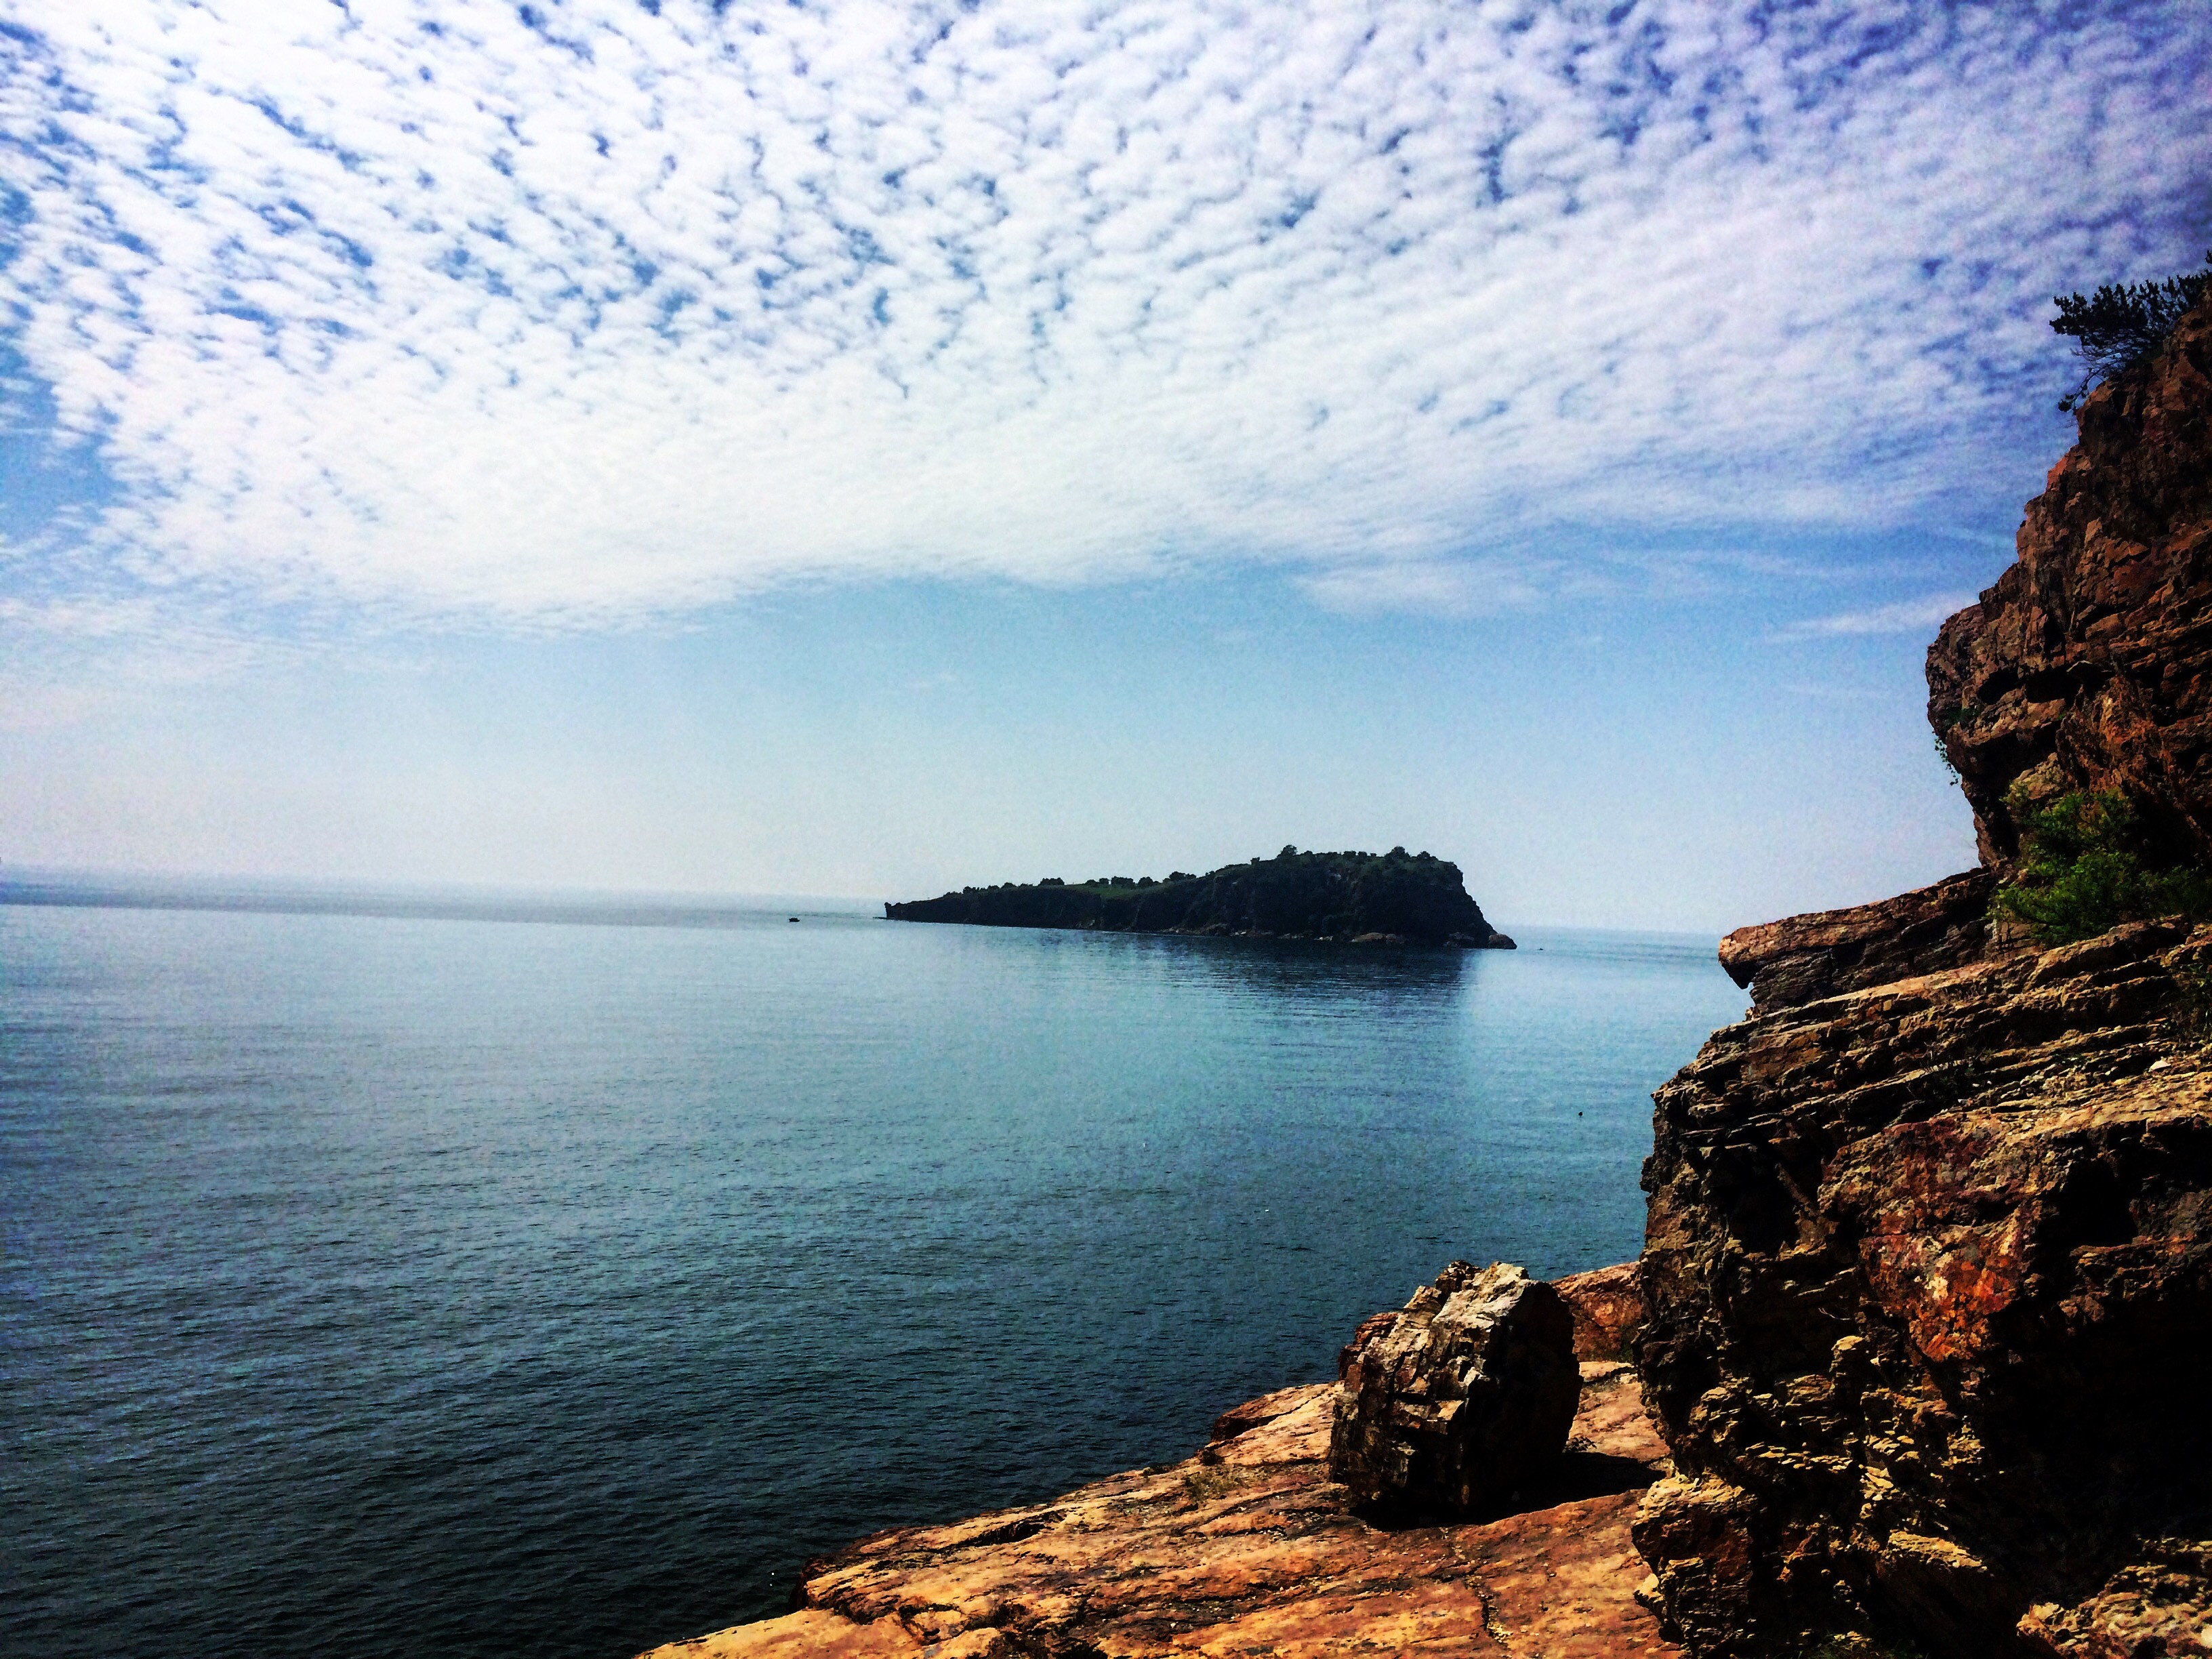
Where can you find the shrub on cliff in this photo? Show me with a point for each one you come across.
(2083, 870)
(2122, 323)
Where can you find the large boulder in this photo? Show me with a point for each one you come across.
(1457, 1402)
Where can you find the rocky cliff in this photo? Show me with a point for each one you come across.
(1364, 898)
(1929, 1259)
(2090, 663)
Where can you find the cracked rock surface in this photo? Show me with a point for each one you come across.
(1929, 1275)
(1929, 1255)
(1249, 1548)
(1457, 1402)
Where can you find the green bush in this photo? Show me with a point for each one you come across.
(2083, 871)
(2122, 324)
(2193, 1002)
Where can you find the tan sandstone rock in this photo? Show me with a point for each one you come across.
(2157, 1607)
(1607, 1306)
(1248, 1548)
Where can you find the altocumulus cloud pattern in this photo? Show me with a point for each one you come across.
(574, 312)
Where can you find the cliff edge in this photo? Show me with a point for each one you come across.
(2089, 664)
(1928, 1254)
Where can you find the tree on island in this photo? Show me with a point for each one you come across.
(2122, 324)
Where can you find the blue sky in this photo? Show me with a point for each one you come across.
(865, 448)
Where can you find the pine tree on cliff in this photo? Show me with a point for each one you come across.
(2122, 324)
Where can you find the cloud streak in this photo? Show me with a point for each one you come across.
(581, 312)
(1904, 616)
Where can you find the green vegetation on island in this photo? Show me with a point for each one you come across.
(1395, 897)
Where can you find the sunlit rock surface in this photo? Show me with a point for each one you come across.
(1928, 1257)
(1248, 1548)
(1607, 1304)
(1803, 958)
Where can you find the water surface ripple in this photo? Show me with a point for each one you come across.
(384, 1285)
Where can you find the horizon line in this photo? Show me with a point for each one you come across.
(34, 886)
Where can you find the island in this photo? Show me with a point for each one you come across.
(1395, 897)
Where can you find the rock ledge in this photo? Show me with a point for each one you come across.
(1248, 1547)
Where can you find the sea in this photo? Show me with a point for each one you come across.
(393, 1274)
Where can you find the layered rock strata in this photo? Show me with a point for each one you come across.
(1929, 1259)
(1457, 1402)
(1801, 958)
(1929, 1275)
(1248, 1547)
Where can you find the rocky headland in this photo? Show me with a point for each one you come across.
(1912, 1364)
(1928, 1257)
(1346, 898)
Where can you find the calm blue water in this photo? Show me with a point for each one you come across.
(385, 1285)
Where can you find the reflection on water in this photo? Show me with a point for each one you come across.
(470, 1288)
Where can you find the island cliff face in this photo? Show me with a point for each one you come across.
(1928, 1257)
(1360, 898)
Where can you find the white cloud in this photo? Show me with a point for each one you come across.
(1906, 617)
(577, 311)
(1432, 586)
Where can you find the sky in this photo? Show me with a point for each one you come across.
(865, 449)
